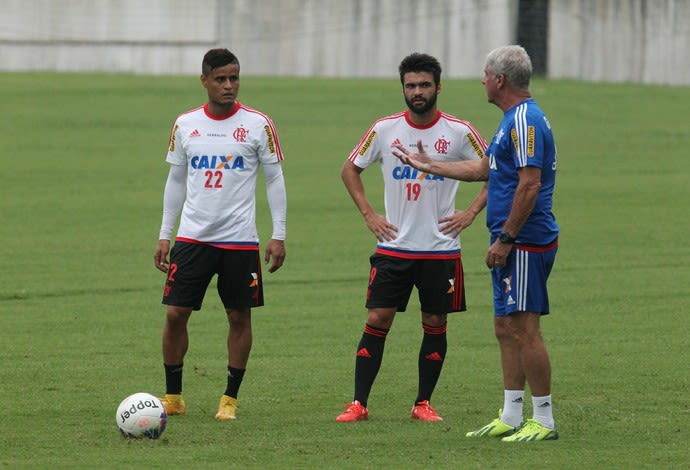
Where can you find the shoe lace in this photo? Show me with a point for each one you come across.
(426, 407)
(354, 407)
(531, 427)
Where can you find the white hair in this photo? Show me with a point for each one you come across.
(513, 62)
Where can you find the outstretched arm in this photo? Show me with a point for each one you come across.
(467, 170)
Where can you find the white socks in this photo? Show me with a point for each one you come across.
(513, 401)
(543, 411)
(512, 407)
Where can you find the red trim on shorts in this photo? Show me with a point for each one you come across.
(537, 249)
(418, 254)
(458, 302)
(236, 246)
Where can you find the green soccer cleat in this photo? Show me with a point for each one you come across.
(495, 428)
(532, 431)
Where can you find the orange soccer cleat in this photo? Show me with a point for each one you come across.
(423, 411)
(355, 411)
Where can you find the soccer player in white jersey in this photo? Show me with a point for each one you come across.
(418, 244)
(214, 154)
(521, 170)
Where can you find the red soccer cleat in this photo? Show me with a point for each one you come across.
(423, 411)
(355, 411)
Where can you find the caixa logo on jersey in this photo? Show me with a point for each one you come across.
(217, 162)
(409, 173)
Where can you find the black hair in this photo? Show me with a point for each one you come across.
(417, 62)
(217, 58)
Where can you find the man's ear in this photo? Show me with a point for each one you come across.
(500, 80)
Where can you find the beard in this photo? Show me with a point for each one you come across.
(422, 108)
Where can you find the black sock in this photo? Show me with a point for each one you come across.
(173, 379)
(235, 377)
(431, 356)
(368, 361)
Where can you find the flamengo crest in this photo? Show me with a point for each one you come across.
(240, 134)
(441, 146)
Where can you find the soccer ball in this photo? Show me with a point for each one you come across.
(141, 415)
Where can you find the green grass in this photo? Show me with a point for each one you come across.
(80, 316)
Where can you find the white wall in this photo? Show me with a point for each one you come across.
(611, 40)
(364, 38)
(152, 36)
(332, 38)
(621, 41)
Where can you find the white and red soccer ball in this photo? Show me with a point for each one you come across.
(141, 415)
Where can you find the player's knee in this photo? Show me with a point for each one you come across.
(503, 330)
(239, 318)
(381, 318)
(434, 320)
(177, 317)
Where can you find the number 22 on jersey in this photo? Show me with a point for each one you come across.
(213, 179)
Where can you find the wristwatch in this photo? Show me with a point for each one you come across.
(505, 237)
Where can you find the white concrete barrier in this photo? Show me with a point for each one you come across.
(623, 40)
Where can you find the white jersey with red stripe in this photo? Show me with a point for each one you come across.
(415, 201)
(222, 155)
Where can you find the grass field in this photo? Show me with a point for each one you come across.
(80, 316)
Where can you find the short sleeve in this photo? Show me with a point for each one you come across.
(176, 154)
